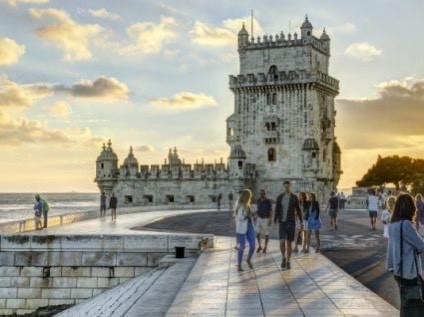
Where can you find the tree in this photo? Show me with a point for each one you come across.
(399, 171)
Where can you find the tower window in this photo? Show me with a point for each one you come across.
(268, 99)
(273, 126)
(308, 33)
(314, 154)
(240, 164)
(272, 155)
(102, 166)
(274, 98)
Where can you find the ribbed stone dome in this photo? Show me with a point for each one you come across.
(237, 152)
(310, 144)
(131, 160)
(324, 36)
(107, 153)
(306, 24)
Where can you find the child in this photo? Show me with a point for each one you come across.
(38, 211)
(387, 215)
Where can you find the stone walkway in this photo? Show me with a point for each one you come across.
(313, 287)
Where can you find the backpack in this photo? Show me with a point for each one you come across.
(45, 205)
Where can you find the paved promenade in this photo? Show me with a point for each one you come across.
(313, 287)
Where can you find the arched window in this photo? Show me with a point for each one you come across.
(272, 155)
(273, 72)
(268, 99)
(274, 98)
(267, 126)
(102, 166)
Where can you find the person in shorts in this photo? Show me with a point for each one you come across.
(372, 203)
(263, 219)
(287, 208)
(103, 205)
(333, 207)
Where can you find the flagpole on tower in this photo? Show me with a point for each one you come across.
(251, 23)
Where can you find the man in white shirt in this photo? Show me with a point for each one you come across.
(372, 203)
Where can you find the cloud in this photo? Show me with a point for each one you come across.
(18, 132)
(10, 51)
(104, 14)
(185, 100)
(393, 119)
(14, 3)
(363, 51)
(102, 88)
(144, 148)
(60, 110)
(204, 34)
(13, 95)
(149, 37)
(71, 37)
(236, 24)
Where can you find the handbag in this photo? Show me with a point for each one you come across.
(412, 289)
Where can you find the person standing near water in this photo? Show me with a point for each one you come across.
(218, 202)
(113, 204)
(45, 209)
(38, 211)
(103, 206)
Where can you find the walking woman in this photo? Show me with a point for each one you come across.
(299, 231)
(403, 249)
(386, 215)
(419, 218)
(313, 222)
(244, 227)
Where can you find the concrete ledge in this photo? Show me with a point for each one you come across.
(28, 224)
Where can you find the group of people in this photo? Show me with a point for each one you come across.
(113, 204)
(293, 214)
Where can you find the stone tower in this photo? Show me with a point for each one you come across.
(107, 169)
(284, 114)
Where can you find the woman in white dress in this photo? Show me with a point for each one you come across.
(386, 215)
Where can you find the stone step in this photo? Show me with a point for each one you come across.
(150, 294)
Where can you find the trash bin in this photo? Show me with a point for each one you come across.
(179, 252)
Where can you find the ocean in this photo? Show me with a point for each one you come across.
(18, 206)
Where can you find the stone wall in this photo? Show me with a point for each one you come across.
(38, 271)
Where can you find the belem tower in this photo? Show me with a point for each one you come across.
(281, 128)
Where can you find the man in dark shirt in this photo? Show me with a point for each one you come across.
(113, 203)
(263, 220)
(287, 208)
(333, 204)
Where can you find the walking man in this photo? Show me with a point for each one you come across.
(263, 220)
(113, 203)
(45, 209)
(218, 201)
(333, 204)
(103, 205)
(286, 209)
(372, 203)
(230, 201)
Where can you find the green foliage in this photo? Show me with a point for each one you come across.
(401, 171)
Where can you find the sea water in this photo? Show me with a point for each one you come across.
(17, 206)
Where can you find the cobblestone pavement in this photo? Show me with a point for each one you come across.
(313, 287)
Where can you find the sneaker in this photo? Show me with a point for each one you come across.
(259, 249)
(249, 263)
(239, 268)
(283, 264)
(288, 266)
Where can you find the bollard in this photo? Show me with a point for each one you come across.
(179, 252)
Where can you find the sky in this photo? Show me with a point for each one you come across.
(154, 74)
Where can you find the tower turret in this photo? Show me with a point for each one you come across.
(130, 165)
(106, 168)
(306, 29)
(326, 39)
(237, 162)
(243, 38)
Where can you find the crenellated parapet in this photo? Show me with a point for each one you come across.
(301, 76)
